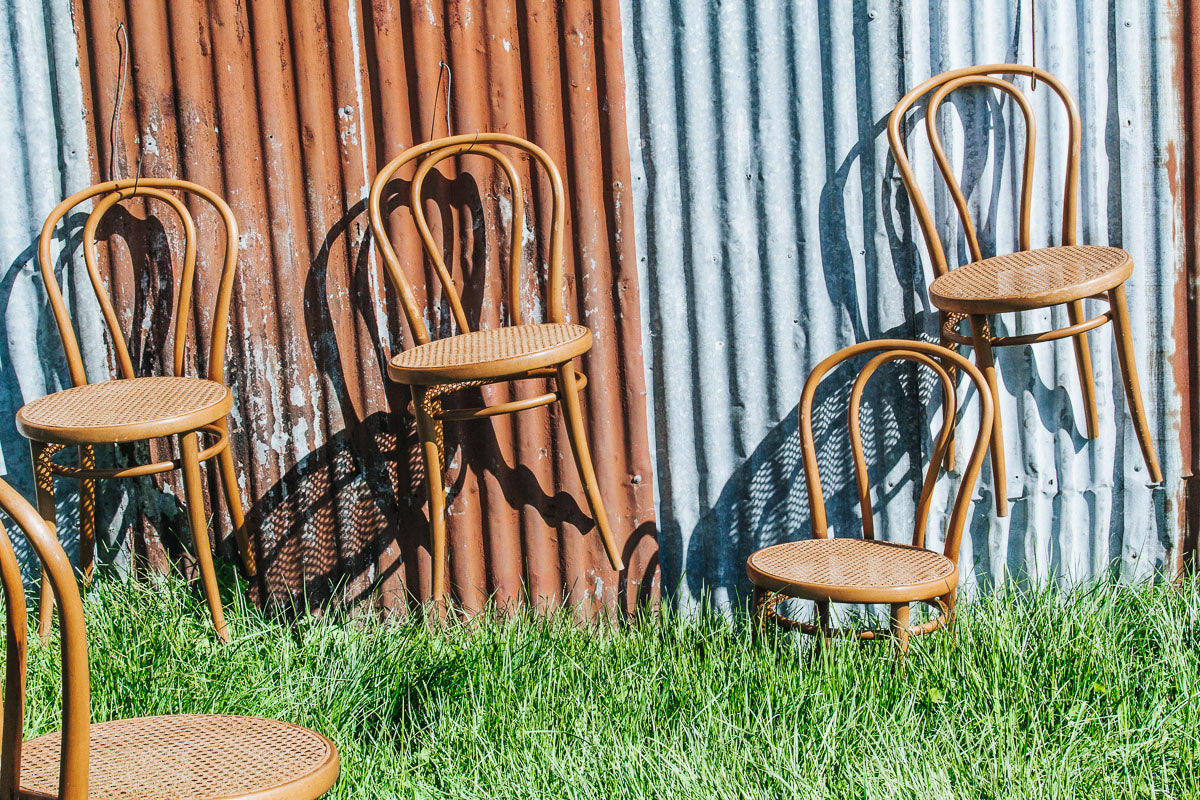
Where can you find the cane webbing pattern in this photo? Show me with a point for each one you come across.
(136, 401)
(851, 562)
(1031, 274)
(193, 756)
(496, 344)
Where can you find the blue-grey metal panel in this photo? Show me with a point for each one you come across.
(43, 157)
(772, 229)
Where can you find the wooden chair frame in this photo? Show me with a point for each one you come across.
(981, 337)
(944, 362)
(427, 398)
(75, 742)
(46, 468)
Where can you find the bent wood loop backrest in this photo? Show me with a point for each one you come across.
(73, 768)
(941, 361)
(434, 152)
(941, 86)
(114, 193)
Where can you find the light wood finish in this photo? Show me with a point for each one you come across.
(184, 756)
(867, 570)
(132, 408)
(519, 351)
(1030, 278)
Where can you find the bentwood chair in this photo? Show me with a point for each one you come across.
(179, 756)
(867, 570)
(1030, 278)
(133, 409)
(519, 351)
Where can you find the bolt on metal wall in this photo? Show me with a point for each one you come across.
(773, 229)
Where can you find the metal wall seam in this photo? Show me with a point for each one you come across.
(288, 109)
(773, 229)
(43, 156)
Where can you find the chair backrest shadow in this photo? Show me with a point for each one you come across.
(943, 362)
(114, 193)
(939, 87)
(434, 152)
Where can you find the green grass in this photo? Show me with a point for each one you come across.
(1089, 694)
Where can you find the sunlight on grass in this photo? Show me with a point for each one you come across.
(1095, 693)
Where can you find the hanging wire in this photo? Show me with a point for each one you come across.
(1033, 43)
(442, 67)
(123, 56)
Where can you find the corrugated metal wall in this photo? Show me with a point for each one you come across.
(773, 228)
(43, 155)
(287, 108)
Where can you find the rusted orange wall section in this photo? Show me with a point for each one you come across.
(1187, 362)
(288, 108)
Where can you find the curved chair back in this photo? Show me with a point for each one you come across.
(73, 768)
(432, 153)
(942, 361)
(941, 86)
(115, 192)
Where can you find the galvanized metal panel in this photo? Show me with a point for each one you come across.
(773, 229)
(287, 109)
(43, 154)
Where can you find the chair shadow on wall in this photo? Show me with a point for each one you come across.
(347, 522)
(765, 500)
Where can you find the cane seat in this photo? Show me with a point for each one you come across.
(189, 756)
(853, 571)
(492, 353)
(124, 410)
(1031, 279)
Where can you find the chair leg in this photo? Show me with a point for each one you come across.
(1129, 376)
(87, 513)
(194, 495)
(821, 640)
(947, 602)
(568, 394)
(987, 365)
(430, 453)
(900, 629)
(952, 371)
(43, 485)
(1083, 358)
(758, 619)
(233, 496)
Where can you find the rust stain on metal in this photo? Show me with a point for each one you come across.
(286, 108)
(1185, 189)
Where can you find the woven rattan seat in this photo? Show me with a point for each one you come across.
(192, 756)
(852, 570)
(1031, 279)
(124, 410)
(490, 353)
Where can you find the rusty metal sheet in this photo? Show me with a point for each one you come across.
(287, 109)
(1185, 169)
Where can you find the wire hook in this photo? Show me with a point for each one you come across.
(442, 67)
